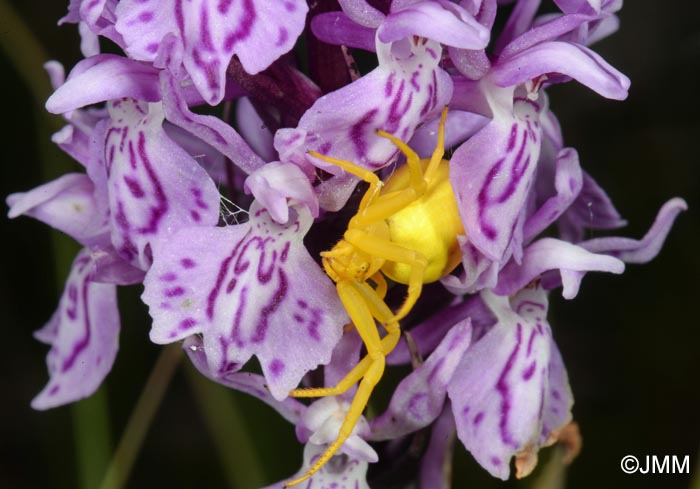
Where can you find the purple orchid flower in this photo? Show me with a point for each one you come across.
(147, 208)
(242, 287)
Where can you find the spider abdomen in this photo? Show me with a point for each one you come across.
(429, 225)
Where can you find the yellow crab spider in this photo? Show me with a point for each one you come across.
(405, 229)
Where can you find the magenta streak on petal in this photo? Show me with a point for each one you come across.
(71, 310)
(223, 269)
(188, 263)
(269, 309)
(478, 418)
(204, 34)
(245, 27)
(436, 369)
(145, 16)
(282, 37)
(530, 370)
(236, 327)
(512, 138)
(517, 172)
(531, 304)
(488, 230)
(313, 325)
(531, 341)
(357, 132)
(414, 82)
(134, 187)
(197, 193)
(276, 367)
(175, 292)
(285, 252)
(223, 6)
(502, 388)
(158, 212)
(85, 340)
(187, 323)
(396, 113)
(179, 18)
(210, 69)
(432, 89)
(264, 276)
(389, 85)
(132, 153)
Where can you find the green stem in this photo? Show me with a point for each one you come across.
(235, 447)
(93, 437)
(146, 407)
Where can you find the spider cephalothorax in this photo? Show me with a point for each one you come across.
(405, 229)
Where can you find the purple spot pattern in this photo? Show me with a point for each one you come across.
(492, 173)
(511, 403)
(249, 289)
(154, 186)
(396, 97)
(257, 31)
(83, 334)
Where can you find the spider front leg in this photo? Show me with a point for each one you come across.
(363, 305)
(390, 251)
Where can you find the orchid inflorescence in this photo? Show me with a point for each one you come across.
(287, 147)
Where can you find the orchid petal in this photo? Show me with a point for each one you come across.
(395, 97)
(362, 13)
(593, 209)
(441, 21)
(569, 59)
(155, 187)
(568, 180)
(105, 77)
(67, 204)
(343, 473)
(209, 129)
(553, 254)
(257, 31)
(83, 334)
(338, 29)
(645, 249)
(252, 384)
(419, 398)
(491, 175)
(276, 183)
(246, 288)
(439, 453)
(499, 397)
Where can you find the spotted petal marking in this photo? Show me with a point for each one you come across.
(249, 289)
(492, 173)
(83, 334)
(155, 187)
(212, 31)
(503, 391)
(395, 97)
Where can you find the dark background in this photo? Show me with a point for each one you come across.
(630, 342)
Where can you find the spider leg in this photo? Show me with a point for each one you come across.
(412, 160)
(439, 151)
(353, 296)
(375, 184)
(389, 251)
(383, 314)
